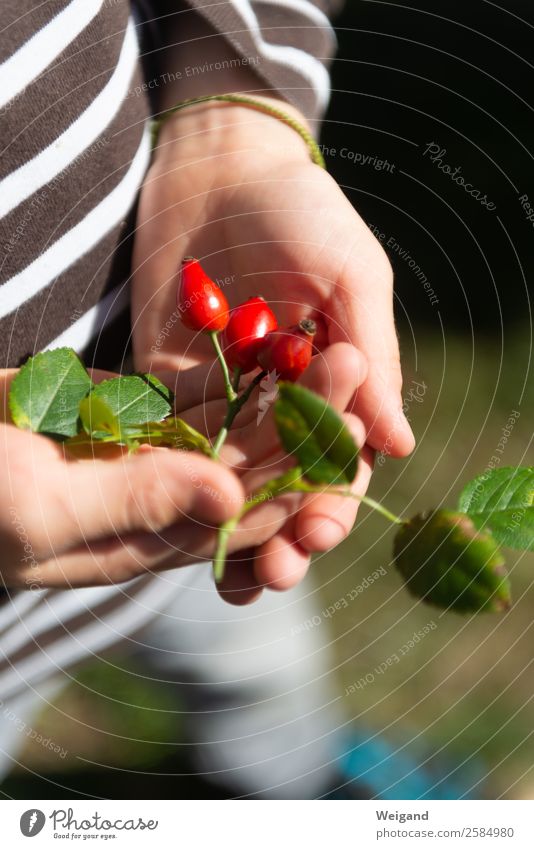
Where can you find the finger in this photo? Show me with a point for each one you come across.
(124, 556)
(98, 374)
(195, 385)
(208, 418)
(335, 374)
(239, 585)
(325, 519)
(153, 490)
(281, 562)
(363, 314)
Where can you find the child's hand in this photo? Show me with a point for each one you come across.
(279, 536)
(66, 523)
(237, 189)
(70, 523)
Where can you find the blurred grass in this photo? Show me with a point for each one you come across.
(466, 686)
(463, 683)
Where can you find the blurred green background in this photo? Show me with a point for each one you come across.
(404, 78)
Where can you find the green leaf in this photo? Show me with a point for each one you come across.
(447, 562)
(98, 419)
(135, 399)
(46, 393)
(503, 499)
(159, 387)
(172, 432)
(315, 434)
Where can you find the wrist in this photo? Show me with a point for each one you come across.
(219, 127)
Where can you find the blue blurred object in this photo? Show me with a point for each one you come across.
(371, 767)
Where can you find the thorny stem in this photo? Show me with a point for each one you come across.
(234, 407)
(230, 394)
(291, 481)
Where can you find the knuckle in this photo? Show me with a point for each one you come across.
(113, 571)
(148, 507)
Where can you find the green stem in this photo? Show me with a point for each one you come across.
(236, 378)
(230, 394)
(303, 486)
(233, 409)
(375, 505)
(270, 490)
(219, 560)
(220, 440)
(242, 400)
(290, 481)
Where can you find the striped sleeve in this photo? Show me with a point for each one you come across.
(73, 152)
(290, 43)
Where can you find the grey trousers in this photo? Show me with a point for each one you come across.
(260, 708)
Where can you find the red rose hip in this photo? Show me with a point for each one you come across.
(288, 352)
(248, 324)
(201, 303)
